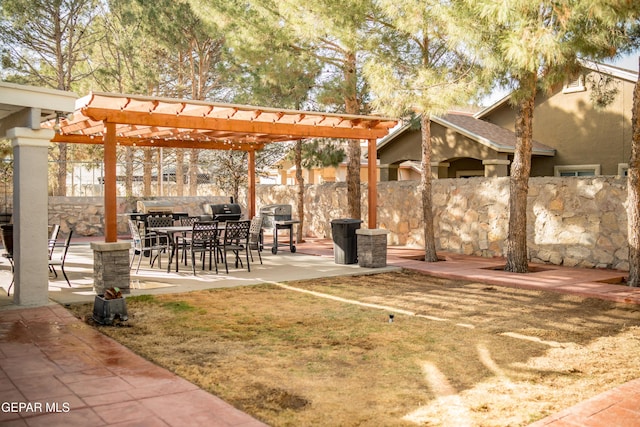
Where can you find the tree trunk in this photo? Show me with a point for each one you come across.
(147, 169)
(128, 165)
(160, 169)
(300, 182)
(352, 106)
(179, 172)
(430, 254)
(62, 170)
(193, 172)
(633, 193)
(517, 257)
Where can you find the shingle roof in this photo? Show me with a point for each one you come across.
(494, 136)
(489, 134)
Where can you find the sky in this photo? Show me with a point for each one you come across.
(629, 62)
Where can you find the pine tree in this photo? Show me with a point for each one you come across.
(419, 69)
(45, 43)
(333, 32)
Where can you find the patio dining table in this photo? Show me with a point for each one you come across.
(172, 233)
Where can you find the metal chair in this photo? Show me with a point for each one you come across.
(236, 239)
(161, 239)
(7, 243)
(53, 237)
(204, 239)
(59, 262)
(183, 242)
(255, 237)
(145, 245)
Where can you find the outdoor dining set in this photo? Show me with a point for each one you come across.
(195, 240)
(202, 242)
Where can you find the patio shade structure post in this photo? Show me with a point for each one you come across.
(110, 190)
(372, 194)
(252, 183)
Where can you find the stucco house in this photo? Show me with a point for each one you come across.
(572, 136)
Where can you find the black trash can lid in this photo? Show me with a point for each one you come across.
(346, 221)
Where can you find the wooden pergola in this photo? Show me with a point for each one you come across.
(114, 120)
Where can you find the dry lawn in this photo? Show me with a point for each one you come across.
(455, 354)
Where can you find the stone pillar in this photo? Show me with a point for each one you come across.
(388, 173)
(440, 170)
(111, 266)
(495, 167)
(30, 214)
(372, 247)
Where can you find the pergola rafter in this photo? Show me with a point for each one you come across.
(130, 120)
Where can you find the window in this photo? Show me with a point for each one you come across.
(575, 85)
(623, 169)
(577, 170)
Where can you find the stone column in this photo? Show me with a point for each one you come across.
(388, 173)
(30, 214)
(372, 247)
(495, 167)
(440, 169)
(111, 266)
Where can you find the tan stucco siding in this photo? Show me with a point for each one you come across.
(446, 145)
(450, 145)
(580, 133)
(405, 147)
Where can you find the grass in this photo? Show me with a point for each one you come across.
(323, 352)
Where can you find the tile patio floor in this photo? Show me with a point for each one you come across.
(49, 357)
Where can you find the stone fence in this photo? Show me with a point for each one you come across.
(571, 221)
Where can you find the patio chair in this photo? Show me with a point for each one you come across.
(145, 244)
(53, 237)
(6, 237)
(236, 240)
(182, 243)
(255, 237)
(205, 240)
(59, 261)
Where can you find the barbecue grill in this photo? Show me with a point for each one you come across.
(224, 212)
(147, 208)
(155, 206)
(272, 213)
(278, 217)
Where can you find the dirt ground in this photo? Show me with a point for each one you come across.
(327, 352)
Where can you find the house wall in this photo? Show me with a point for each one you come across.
(571, 221)
(448, 146)
(580, 133)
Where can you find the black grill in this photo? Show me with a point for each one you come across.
(226, 212)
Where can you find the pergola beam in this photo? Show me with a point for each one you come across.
(165, 143)
(290, 131)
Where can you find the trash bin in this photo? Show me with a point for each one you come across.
(345, 248)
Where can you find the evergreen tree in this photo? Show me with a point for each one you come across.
(532, 45)
(418, 68)
(331, 31)
(46, 43)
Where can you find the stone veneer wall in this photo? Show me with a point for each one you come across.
(571, 221)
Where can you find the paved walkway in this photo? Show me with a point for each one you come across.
(74, 376)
